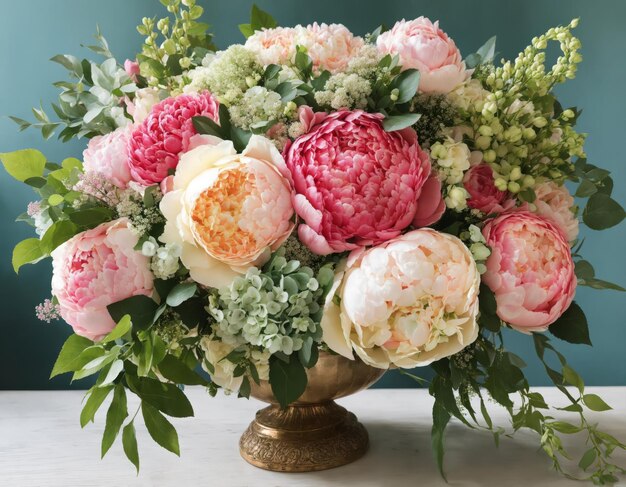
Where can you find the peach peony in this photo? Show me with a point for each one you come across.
(97, 268)
(107, 156)
(273, 46)
(530, 270)
(357, 184)
(228, 211)
(408, 302)
(424, 46)
(555, 203)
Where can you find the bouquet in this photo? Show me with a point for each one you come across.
(307, 191)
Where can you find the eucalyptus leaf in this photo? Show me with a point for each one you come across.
(181, 293)
(572, 326)
(602, 212)
(399, 122)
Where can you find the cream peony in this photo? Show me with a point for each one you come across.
(408, 302)
(555, 203)
(227, 211)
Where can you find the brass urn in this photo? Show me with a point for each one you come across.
(314, 433)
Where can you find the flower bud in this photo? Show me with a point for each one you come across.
(483, 142)
(489, 155)
(500, 183)
(540, 122)
(515, 174)
(514, 187)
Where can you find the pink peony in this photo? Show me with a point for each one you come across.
(407, 302)
(555, 203)
(530, 270)
(484, 196)
(94, 269)
(355, 183)
(132, 69)
(329, 46)
(157, 143)
(424, 46)
(107, 155)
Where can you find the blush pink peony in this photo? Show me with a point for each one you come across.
(422, 45)
(330, 46)
(155, 145)
(407, 302)
(97, 268)
(355, 183)
(555, 203)
(107, 156)
(483, 194)
(530, 270)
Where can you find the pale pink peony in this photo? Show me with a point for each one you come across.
(407, 302)
(96, 268)
(555, 203)
(329, 46)
(422, 45)
(107, 155)
(355, 183)
(228, 211)
(530, 270)
(132, 69)
(273, 46)
(157, 143)
(484, 196)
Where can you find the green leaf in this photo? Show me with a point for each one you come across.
(58, 233)
(288, 380)
(484, 54)
(181, 293)
(117, 413)
(55, 200)
(572, 326)
(160, 429)
(204, 125)
(129, 443)
(24, 164)
(602, 212)
(140, 308)
(399, 122)
(586, 189)
(600, 284)
(309, 353)
(27, 251)
(240, 138)
(588, 458)
(584, 270)
(570, 376)
(97, 395)
(36, 182)
(260, 19)
(595, 402)
(566, 428)
(123, 326)
(246, 30)
(68, 359)
(406, 83)
(244, 389)
(441, 417)
(91, 217)
(165, 397)
(177, 371)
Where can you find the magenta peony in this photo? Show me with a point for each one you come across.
(94, 269)
(407, 302)
(355, 183)
(555, 203)
(530, 270)
(424, 46)
(157, 143)
(107, 156)
(484, 196)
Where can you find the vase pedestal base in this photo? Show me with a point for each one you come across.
(303, 438)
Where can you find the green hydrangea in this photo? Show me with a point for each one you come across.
(276, 308)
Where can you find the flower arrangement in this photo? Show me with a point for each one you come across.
(377, 197)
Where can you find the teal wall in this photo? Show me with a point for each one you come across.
(34, 31)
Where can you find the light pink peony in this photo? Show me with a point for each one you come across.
(157, 143)
(424, 46)
(329, 46)
(132, 69)
(407, 302)
(107, 155)
(355, 183)
(555, 203)
(97, 268)
(484, 196)
(530, 270)
(273, 46)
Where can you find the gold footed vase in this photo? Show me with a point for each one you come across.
(314, 433)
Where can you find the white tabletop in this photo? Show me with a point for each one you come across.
(42, 445)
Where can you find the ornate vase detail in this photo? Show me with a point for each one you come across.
(314, 433)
